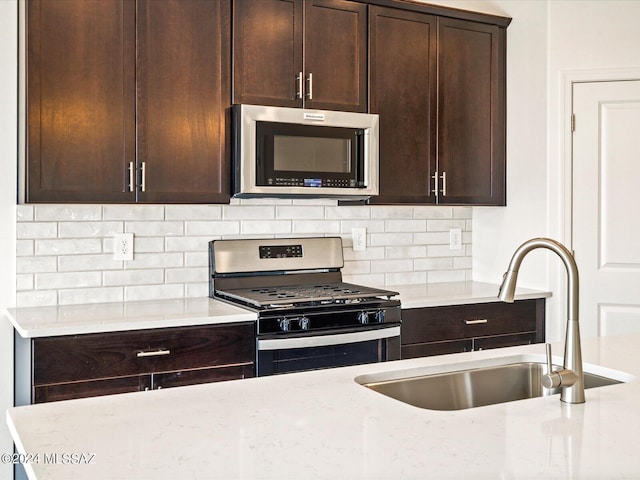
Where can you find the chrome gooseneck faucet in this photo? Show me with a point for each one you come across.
(570, 379)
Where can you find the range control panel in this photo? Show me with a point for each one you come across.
(280, 251)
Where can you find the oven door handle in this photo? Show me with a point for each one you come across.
(325, 340)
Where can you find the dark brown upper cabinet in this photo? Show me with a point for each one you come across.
(442, 107)
(471, 157)
(403, 86)
(126, 101)
(300, 53)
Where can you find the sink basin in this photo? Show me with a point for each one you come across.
(474, 387)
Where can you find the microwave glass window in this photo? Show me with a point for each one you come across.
(311, 154)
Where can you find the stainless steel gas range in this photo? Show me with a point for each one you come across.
(308, 318)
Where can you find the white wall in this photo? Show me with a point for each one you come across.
(8, 172)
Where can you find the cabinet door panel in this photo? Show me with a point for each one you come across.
(500, 341)
(105, 355)
(471, 112)
(93, 388)
(183, 89)
(80, 101)
(203, 375)
(436, 348)
(267, 52)
(335, 46)
(403, 92)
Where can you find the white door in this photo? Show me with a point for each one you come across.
(606, 205)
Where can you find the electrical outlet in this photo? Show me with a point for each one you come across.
(123, 246)
(359, 236)
(455, 239)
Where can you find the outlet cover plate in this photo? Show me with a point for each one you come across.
(123, 246)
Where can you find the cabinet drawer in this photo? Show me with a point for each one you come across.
(119, 354)
(421, 325)
(92, 388)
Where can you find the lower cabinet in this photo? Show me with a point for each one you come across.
(77, 366)
(464, 328)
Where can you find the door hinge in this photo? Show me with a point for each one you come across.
(573, 122)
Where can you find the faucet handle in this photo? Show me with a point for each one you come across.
(551, 379)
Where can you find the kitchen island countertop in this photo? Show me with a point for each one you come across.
(324, 425)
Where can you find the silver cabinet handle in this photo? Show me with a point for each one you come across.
(435, 183)
(153, 353)
(299, 79)
(131, 177)
(444, 184)
(310, 86)
(476, 322)
(144, 175)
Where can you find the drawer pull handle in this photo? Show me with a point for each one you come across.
(476, 322)
(153, 353)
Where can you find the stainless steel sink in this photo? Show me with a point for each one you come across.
(475, 387)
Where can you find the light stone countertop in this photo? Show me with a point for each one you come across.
(456, 293)
(324, 425)
(33, 322)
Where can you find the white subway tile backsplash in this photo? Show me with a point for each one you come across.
(89, 229)
(133, 277)
(58, 280)
(133, 212)
(265, 227)
(83, 263)
(61, 213)
(37, 230)
(444, 225)
(193, 212)
(65, 252)
(75, 296)
(405, 278)
(405, 225)
(68, 247)
(153, 292)
(318, 227)
(300, 212)
(156, 260)
(155, 228)
(36, 264)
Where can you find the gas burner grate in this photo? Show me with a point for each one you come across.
(295, 294)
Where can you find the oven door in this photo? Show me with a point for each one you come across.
(285, 354)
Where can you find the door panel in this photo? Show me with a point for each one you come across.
(471, 113)
(80, 102)
(403, 92)
(183, 91)
(267, 52)
(606, 219)
(335, 46)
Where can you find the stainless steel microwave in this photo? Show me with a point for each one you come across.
(292, 152)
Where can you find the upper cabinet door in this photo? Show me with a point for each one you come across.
(295, 53)
(471, 113)
(183, 89)
(80, 100)
(335, 49)
(403, 92)
(267, 52)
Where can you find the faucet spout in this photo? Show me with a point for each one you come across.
(571, 377)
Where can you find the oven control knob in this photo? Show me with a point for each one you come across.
(285, 324)
(380, 316)
(363, 318)
(304, 323)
